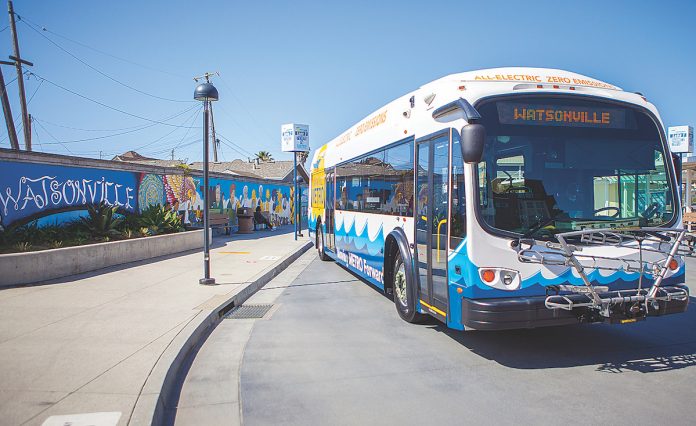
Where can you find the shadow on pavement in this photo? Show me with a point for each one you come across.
(655, 345)
(261, 233)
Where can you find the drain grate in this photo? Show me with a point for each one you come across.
(248, 311)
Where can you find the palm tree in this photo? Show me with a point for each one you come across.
(264, 156)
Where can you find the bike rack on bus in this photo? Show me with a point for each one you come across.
(667, 243)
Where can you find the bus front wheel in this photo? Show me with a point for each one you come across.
(320, 244)
(404, 292)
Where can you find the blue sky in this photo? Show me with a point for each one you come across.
(326, 64)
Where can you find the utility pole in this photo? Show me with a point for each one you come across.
(172, 154)
(20, 81)
(11, 131)
(215, 141)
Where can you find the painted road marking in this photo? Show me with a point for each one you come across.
(269, 258)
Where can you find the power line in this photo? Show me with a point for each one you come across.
(187, 130)
(235, 149)
(140, 126)
(116, 134)
(103, 136)
(4, 89)
(54, 138)
(192, 142)
(38, 140)
(241, 150)
(100, 71)
(33, 94)
(43, 28)
(28, 102)
(245, 108)
(101, 103)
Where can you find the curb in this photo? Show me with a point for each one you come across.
(163, 384)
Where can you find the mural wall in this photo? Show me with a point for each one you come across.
(54, 194)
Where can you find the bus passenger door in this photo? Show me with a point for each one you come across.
(329, 239)
(432, 186)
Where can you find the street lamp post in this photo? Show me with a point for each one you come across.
(207, 93)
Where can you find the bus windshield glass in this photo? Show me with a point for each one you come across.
(560, 164)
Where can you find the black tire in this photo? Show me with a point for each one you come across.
(404, 290)
(320, 244)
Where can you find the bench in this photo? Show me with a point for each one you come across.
(219, 220)
(689, 220)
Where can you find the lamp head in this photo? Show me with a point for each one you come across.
(205, 92)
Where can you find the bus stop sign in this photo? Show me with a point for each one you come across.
(681, 139)
(294, 138)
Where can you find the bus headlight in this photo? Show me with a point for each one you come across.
(500, 278)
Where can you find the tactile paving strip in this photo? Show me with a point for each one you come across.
(248, 311)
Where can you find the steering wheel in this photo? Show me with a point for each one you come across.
(652, 210)
(515, 188)
(604, 209)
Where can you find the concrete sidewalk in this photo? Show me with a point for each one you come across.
(104, 341)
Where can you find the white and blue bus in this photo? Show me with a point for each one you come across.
(507, 198)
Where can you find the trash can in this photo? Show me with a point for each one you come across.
(245, 218)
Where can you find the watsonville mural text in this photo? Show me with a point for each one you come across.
(53, 194)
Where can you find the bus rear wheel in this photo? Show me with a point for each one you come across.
(320, 244)
(404, 292)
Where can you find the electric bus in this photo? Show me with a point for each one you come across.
(507, 198)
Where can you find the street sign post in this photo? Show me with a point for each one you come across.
(681, 141)
(295, 138)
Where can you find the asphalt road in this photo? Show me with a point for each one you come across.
(335, 352)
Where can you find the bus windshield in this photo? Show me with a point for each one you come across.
(561, 164)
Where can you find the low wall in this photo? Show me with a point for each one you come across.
(31, 267)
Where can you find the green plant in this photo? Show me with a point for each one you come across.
(185, 168)
(23, 246)
(127, 233)
(264, 156)
(159, 219)
(56, 244)
(29, 232)
(102, 220)
(79, 240)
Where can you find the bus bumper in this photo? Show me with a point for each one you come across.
(531, 312)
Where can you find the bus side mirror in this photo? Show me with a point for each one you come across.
(473, 142)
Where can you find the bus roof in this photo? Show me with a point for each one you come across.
(527, 75)
(411, 114)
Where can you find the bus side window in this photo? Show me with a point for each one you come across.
(458, 210)
(380, 183)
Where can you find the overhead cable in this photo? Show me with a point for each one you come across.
(101, 103)
(245, 152)
(86, 46)
(139, 126)
(102, 72)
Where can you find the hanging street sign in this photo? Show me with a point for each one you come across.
(681, 139)
(294, 137)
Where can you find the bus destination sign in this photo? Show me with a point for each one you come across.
(561, 115)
